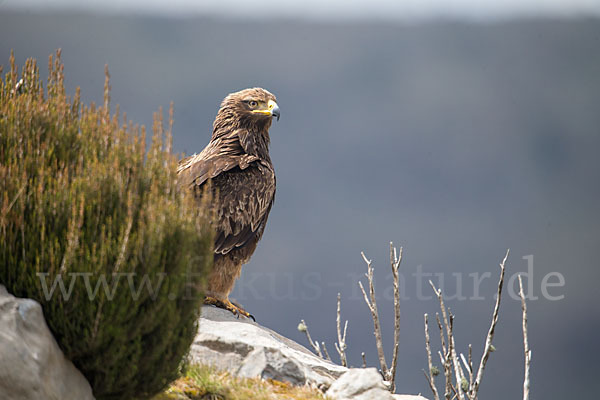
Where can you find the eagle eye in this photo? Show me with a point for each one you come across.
(252, 103)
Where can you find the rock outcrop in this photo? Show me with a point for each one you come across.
(364, 384)
(247, 349)
(32, 366)
(360, 384)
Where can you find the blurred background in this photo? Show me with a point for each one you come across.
(454, 129)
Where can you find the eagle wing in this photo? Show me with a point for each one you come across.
(243, 187)
(219, 156)
(245, 197)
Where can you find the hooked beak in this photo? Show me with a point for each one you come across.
(272, 110)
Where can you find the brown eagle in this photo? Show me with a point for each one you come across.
(242, 181)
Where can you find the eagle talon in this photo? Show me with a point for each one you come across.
(243, 312)
(228, 305)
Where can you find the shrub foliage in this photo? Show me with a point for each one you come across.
(94, 227)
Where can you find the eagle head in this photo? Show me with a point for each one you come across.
(250, 107)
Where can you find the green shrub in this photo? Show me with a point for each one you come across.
(85, 203)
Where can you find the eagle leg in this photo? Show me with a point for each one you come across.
(235, 309)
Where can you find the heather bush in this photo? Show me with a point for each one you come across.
(94, 227)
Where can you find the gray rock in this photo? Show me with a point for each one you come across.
(360, 384)
(247, 349)
(408, 397)
(32, 366)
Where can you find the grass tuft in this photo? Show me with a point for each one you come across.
(208, 383)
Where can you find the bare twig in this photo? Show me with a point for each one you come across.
(525, 341)
(469, 366)
(451, 353)
(389, 373)
(431, 384)
(337, 348)
(462, 388)
(341, 344)
(455, 392)
(471, 363)
(372, 304)
(460, 376)
(325, 352)
(302, 327)
(445, 360)
(430, 375)
(488, 342)
(395, 260)
(442, 340)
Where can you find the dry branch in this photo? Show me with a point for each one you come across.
(372, 304)
(526, 349)
(389, 373)
(469, 366)
(445, 359)
(327, 357)
(395, 260)
(467, 388)
(315, 345)
(448, 323)
(488, 341)
(430, 375)
(340, 346)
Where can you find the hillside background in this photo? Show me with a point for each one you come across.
(454, 139)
